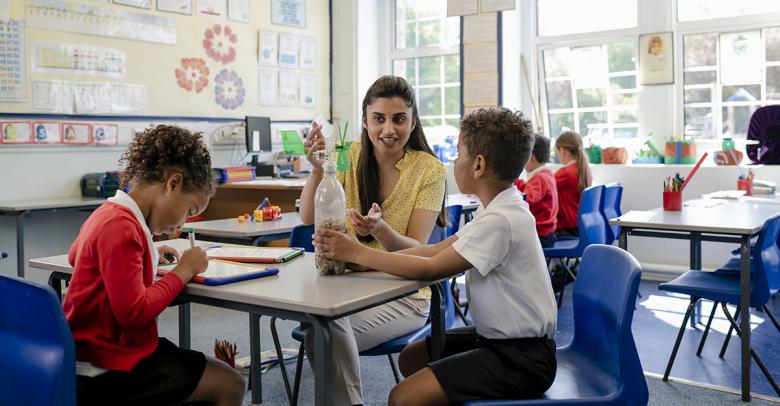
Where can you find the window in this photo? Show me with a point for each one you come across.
(726, 77)
(696, 10)
(584, 16)
(427, 55)
(592, 90)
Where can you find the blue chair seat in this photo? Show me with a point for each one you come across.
(716, 286)
(564, 249)
(393, 346)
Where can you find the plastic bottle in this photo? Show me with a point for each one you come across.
(330, 212)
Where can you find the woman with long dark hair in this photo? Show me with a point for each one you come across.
(395, 196)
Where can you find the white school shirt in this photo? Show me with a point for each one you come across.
(509, 289)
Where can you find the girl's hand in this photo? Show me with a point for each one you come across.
(368, 224)
(166, 250)
(194, 261)
(336, 245)
(315, 142)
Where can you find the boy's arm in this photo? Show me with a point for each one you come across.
(533, 192)
(429, 250)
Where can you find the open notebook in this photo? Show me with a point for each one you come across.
(267, 255)
(221, 272)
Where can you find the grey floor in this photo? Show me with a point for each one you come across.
(210, 323)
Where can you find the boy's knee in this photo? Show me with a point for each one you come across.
(412, 358)
(235, 387)
(399, 396)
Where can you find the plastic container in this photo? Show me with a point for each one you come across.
(746, 185)
(330, 212)
(673, 201)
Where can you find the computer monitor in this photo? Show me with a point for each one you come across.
(258, 134)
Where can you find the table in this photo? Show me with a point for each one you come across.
(234, 199)
(730, 222)
(296, 293)
(258, 232)
(24, 208)
(470, 204)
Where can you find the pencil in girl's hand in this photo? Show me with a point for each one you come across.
(191, 232)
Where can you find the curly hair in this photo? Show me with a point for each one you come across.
(154, 153)
(505, 138)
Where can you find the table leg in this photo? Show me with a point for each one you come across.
(323, 349)
(744, 322)
(184, 326)
(623, 239)
(56, 283)
(20, 265)
(254, 365)
(695, 263)
(437, 322)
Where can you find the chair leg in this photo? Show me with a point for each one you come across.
(706, 329)
(280, 359)
(456, 297)
(395, 370)
(563, 289)
(569, 269)
(728, 336)
(298, 370)
(679, 337)
(753, 353)
(772, 317)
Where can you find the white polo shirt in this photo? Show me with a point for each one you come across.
(509, 289)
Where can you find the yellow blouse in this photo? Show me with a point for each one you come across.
(420, 186)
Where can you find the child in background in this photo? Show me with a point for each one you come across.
(541, 194)
(509, 352)
(571, 180)
(113, 302)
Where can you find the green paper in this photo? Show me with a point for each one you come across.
(292, 143)
(342, 162)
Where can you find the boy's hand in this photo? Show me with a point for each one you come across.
(368, 224)
(166, 251)
(315, 142)
(336, 245)
(194, 261)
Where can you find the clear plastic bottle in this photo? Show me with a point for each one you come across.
(330, 212)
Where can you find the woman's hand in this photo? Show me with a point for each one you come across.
(368, 224)
(315, 142)
(166, 250)
(336, 245)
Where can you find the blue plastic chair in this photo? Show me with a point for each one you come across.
(724, 288)
(613, 194)
(38, 365)
(440, 234)
(592, 230)
(601, 365)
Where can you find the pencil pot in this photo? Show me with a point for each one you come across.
(746, 185)
(673, 201)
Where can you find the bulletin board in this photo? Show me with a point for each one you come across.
(179, 58)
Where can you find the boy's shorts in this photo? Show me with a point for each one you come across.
(167, 377)
(473, 367)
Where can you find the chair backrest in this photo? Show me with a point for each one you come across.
(454, 212)
(766, 265)
(613, 193)
(38, 365)
(590, 221)
(300, 237)
(764, 128)
(603, 303)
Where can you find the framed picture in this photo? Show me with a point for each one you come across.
(175, 6)
(46, 133)
(75, 133)
(291, 13)
(16, 132)
(239, 10)
(656, 59)
(147, 4)
(105, 134)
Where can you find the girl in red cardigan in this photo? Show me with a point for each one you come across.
(540, 191)
(571, 180)
(113, 300)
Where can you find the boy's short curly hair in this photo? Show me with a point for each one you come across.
(541, 149)
(154, 153)
(505, 138)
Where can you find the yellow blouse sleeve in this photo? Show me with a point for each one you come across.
(431, 194)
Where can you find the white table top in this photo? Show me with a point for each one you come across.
(51, 203)
(469, 202)
(297, 288)
(731, 217)
(247, 229)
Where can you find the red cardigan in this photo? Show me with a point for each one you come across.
(541, 194)
(112, 302)
(568, 196)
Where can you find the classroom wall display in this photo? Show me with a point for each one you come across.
(740, 57)
(13, 72)
(289, 12)
(175, 6)
(229, 88)
(192, 75)
(239, 10)
(656, 59)
(268, 52)
(267, 87)
(308, 52)
(135, 3)
(218, 43)
(46, 133)
(307, 90)
(78, 59)
(213, 8)
(16, 132)
(105, 134)
(288, 50)
(75, 133)
(288, 88)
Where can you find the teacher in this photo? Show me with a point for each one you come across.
(395, 189)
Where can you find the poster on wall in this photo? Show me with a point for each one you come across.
(267, 87)
(46, 133)
(239, 10)
(656, 59)
(53, 96)
(5, 9)
(78, 59)
(741, 58)
(268, 53)
(288, 50)
(16, 132)
(214, 8)
(13, 75)
(147, 4)
(288, 88)
(175, 6)
(308, 53)
(75, 133)
(289, 12)
(105, 134)
(308, 90)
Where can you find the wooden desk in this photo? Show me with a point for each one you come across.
(24, 208)
(234, 199)
(299, 293)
